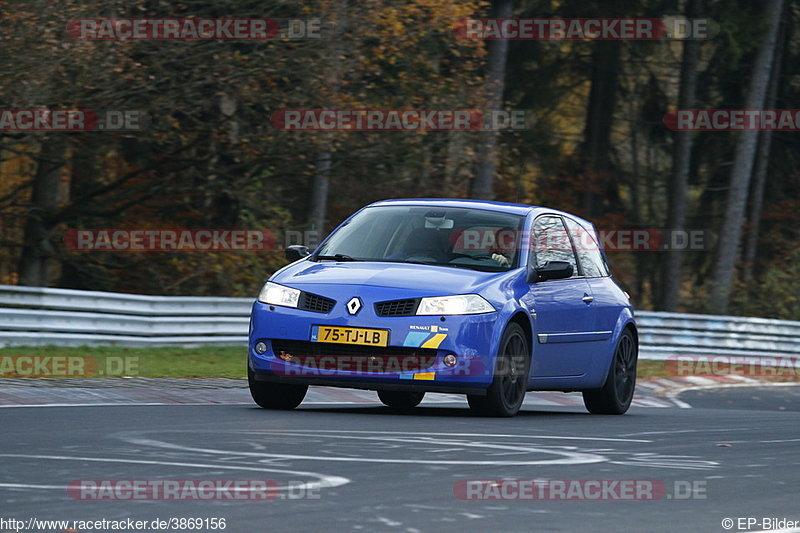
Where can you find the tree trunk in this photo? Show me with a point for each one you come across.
(600, 116)
(731, 233)
(322, 173)
(83, 169)
(681, 161)
(762, 166)
(319, 193)
(483, 184)
(757, 203)
(35, 266)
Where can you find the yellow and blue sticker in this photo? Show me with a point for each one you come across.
(423, 339)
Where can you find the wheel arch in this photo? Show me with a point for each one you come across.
(525, 322)
(625, 321)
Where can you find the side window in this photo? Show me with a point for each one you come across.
(551, 243)
(587, 249)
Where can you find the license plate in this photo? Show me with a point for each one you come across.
(343, 335)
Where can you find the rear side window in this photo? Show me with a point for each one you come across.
(551, 242)
(587, 250)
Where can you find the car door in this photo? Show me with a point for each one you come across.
(608, 298)
(565, 316)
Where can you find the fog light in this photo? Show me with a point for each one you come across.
(261, 348)
(449, 360)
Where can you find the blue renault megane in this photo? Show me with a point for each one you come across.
(485, 299)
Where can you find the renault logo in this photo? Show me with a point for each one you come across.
(354, 305)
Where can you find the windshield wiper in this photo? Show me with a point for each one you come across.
(337, 257)
(481, 268)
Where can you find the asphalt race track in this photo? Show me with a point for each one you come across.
(779, 398)
(342, 462)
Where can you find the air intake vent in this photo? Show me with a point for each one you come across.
(397, 307)
(315, 303)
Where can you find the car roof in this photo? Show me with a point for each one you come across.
(517, 209)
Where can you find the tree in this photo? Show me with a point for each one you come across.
(730, 235)
(35, 266)
(483, 184)
(761, 170)
(681, 164)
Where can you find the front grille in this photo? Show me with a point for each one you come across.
(315, 303)
(330, 356)
(397, 307)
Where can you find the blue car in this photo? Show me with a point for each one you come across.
(485, 299)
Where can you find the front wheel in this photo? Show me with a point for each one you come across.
(505, 395)
(400, 399)
(275, 395)
(617, 393)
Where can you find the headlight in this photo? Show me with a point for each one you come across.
(274, 294)
(463, 304)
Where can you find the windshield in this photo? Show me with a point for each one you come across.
(456, 237)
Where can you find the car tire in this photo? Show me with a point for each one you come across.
(275, 395)
(615, 397)
(400, 399)
(505, 395)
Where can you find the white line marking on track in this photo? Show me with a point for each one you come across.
(568, 457)
(29, 486)
(673, 394)
(324, 480)
(502, 435)
(699, 380)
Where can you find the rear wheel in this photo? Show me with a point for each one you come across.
(400, 399)
(505, 395)
(275, 395)
(617, 393)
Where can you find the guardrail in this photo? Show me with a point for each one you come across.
(36, 316)
(662, 335)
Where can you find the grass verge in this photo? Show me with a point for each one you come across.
(105, 361)
(175, 362)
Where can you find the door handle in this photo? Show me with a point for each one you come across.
(588, 299)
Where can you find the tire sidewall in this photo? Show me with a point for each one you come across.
(502, 366)
(611, 381)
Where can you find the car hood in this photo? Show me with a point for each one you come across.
(426, 278)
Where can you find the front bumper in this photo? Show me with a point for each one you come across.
(426, 339)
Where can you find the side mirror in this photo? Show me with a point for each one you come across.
(296, 251)
(554, 270)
